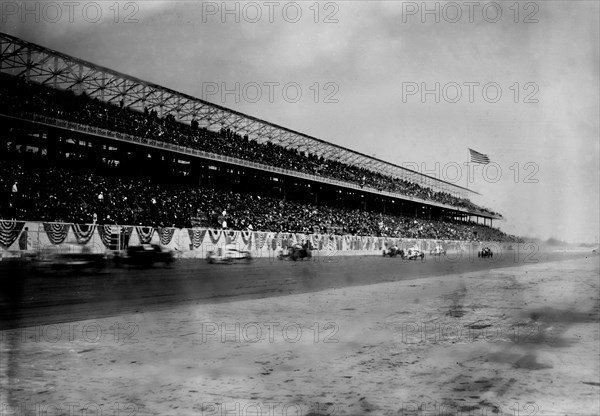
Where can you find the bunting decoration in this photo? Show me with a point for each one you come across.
(166, 235)
(347, 241)
(9, 232)
(145, 234)
(290, 240)
(56, 232)
(284, 240)
(270, 241)
(316, 238)
(214, 235)
(196, 236)
(260, 238)
(331, 243)
(231, 237)
(115, 237)
(83, 232)
(106, 234)
(246, 237)
(276, 241)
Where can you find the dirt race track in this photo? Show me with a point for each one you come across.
(347, 336)
(36, 298)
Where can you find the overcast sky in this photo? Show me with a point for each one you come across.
(517, 81)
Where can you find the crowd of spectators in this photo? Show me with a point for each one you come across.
(17, 96)
(36, 189)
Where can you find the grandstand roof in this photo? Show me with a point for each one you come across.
(42, 65)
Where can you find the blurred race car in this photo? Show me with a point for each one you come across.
(393, 251)
(485, 252)
(414, 253)
(70, 257)
(228, 255)
(437, 251)
(144, 255)
(297, 251)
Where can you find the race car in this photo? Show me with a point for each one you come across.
(69, 258)
(393, 251)
(437, 251)
(144, 255)
(485, 252)
(228, 255)
(414, 253)
(297, 251)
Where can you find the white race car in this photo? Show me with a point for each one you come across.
(70, 257)
(414, 253)
(228, 254)
(437, 251)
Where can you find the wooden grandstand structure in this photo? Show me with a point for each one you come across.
(37, 64)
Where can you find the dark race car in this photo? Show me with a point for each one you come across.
(393, 251)
(485, 253)
(297, 251)
(145, 255)
(412, 253)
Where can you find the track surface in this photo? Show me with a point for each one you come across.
(29, 298)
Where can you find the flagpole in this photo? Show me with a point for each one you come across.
(468, 170)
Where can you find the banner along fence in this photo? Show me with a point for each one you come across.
(22, 236)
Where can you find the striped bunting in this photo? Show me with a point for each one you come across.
(166, 235)
(145, 234)
(56, 232)
(196, 236)
(9, 232)
(83, 232)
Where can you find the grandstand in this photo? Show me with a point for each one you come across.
(88, 144)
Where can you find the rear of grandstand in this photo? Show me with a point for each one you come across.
(71, 154)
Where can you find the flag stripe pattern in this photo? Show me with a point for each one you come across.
(477, 157)
(9, 232)
(145, 234)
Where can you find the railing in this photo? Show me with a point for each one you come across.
(240, 162)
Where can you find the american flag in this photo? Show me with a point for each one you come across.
(477, 157)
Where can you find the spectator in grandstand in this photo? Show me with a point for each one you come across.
(19, 96)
